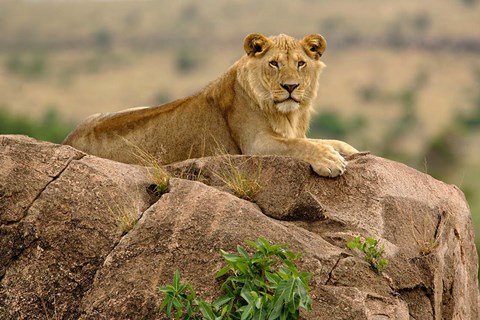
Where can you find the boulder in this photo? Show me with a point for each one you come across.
(64, 255)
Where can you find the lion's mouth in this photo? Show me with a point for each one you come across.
(287, 105)
(290, 98)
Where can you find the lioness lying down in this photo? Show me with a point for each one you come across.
(260, 106)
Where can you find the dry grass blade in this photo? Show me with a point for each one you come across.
(159, 176)
(426, 237)
(126, 220)
(125, 217)
(241, 182)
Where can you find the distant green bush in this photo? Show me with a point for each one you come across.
(103, 39)
(162, 96)
(50, 127)
(369, 93)
(331, 125)
(471, 120)
(187, 59)
(470, 3)
(27, 65)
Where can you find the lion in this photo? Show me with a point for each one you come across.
(261, 106)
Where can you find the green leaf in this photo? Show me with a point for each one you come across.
(231, 257)
(292, 268)
(273, 278)
(192, 295)
(189, 308)
(261, 314)
(221, 301)
(168, 290)
(176, 303)
(304, 301)
(176, 281)
(169, 308)
(265, 245)
(251, 244)
(243, 252)
(206, 310)
(222, 272)
(276, 311)
(246, 311)
(247, 295)
(164, 304)
(242, 267)
(284, 315)
(305, 277)
(285, 289)
(381, 265)
(351, 244)
(179, 313)
(259, 302)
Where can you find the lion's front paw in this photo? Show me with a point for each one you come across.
(347, 149)
(342, 147)
(330, 163)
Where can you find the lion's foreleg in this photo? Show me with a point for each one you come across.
(324, 159)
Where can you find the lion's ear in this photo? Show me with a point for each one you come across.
(314, 45)
(256, 44)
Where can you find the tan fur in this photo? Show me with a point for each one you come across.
(261, 105)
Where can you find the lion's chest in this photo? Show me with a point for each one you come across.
(287, 127)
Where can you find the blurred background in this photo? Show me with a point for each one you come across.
(403, 77)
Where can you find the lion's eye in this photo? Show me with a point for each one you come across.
(273, 64)
(301, 64)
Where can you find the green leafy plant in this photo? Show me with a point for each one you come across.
(263, 285)
(182, 298)
(372, 250)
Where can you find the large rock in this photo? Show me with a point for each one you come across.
(63, 256)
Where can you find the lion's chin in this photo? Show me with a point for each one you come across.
(287, 106)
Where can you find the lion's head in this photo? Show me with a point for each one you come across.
(280, 72)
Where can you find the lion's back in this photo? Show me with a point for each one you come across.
(183, 129)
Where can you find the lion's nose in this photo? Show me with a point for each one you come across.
(289, 86)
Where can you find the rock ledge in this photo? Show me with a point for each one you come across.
(62, 255)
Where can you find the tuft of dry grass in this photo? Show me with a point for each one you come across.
(125, 217)
(159, 176)
(426, 247)
(126, 220)
(242, 182)
(191, 173)
(426, 238)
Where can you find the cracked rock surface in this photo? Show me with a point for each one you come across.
(63, 256)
